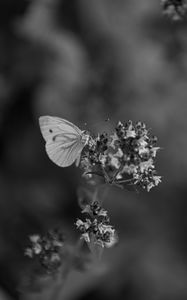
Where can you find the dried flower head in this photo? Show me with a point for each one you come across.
(174, 9)
(126, 156)
(96, 227)
(47, 249)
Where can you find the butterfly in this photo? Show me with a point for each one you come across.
(64, 140)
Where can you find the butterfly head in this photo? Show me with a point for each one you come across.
(85, 137)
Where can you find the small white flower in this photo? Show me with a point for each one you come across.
(86, 237)
(86, 224)
(145, 165)
(37, 248)
(142, 142)
(34, 238)
(150, 186)
(114, 161)
(113, 240)
(28, 252)
(129, 169)
(103, 159)
(119, 153)
(154, 151)
(130, 133)
(114, 138)
(102, 213)
(157, 179)
(79, 223)
(142, 150)
(105, 228)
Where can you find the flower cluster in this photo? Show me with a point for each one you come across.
(126, 156)
(47, 249)
(96, 228)
(174, 9)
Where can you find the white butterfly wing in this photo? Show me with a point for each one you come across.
(51, 126)
(64, 156)
(63, 140)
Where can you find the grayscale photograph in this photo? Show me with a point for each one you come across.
(93, 155)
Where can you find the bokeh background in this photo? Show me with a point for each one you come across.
(85, 61)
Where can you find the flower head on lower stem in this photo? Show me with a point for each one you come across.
(47, 249)
(96, 226)
(174, 9)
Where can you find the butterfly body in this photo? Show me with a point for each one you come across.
(64, 140)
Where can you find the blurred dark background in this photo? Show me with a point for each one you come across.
(86, 61)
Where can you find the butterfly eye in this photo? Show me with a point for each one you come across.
(50, 130)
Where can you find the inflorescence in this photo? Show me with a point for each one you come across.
(47, 249)
(174, 9)
(126, 156)
(96, 228)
